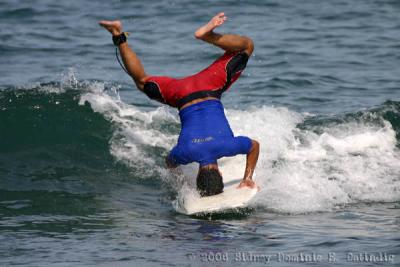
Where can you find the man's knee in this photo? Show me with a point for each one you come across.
(140, 82)
(249, 46)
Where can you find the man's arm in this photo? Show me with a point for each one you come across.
(251, 162)
(170, 164)
(173, 167)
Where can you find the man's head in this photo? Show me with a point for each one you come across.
(209, 180)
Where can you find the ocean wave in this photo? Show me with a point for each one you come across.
(307, 163)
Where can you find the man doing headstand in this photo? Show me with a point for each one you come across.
(205, 134)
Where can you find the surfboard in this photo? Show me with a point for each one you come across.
(189, 201)
(231, 198)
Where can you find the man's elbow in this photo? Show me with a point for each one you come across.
(255, 145)
(170, 164)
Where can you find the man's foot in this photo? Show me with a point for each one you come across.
(114, 27)
(216, 21)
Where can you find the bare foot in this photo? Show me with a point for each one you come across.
(114, 27)
(216, 21)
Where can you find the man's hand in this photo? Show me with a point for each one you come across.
(248, 183)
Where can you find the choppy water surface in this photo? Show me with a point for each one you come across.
(82, 178)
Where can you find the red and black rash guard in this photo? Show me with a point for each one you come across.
(210, 82)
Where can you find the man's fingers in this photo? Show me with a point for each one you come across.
(249, 184)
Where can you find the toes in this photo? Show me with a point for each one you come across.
(221, 20)
(105, 23)
(221, 14)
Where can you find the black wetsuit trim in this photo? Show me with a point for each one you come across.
(152, 90)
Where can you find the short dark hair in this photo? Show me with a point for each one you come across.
(209, 182)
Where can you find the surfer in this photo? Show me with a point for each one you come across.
(205, 134)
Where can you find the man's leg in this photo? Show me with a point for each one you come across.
(228, 42)
(129, 58)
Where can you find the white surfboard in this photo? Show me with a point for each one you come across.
(190, 202)
(232, 197)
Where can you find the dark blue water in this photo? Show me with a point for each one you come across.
(82, 177)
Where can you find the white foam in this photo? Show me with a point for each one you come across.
(301, 171)
(298, 170)
(133, 129)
